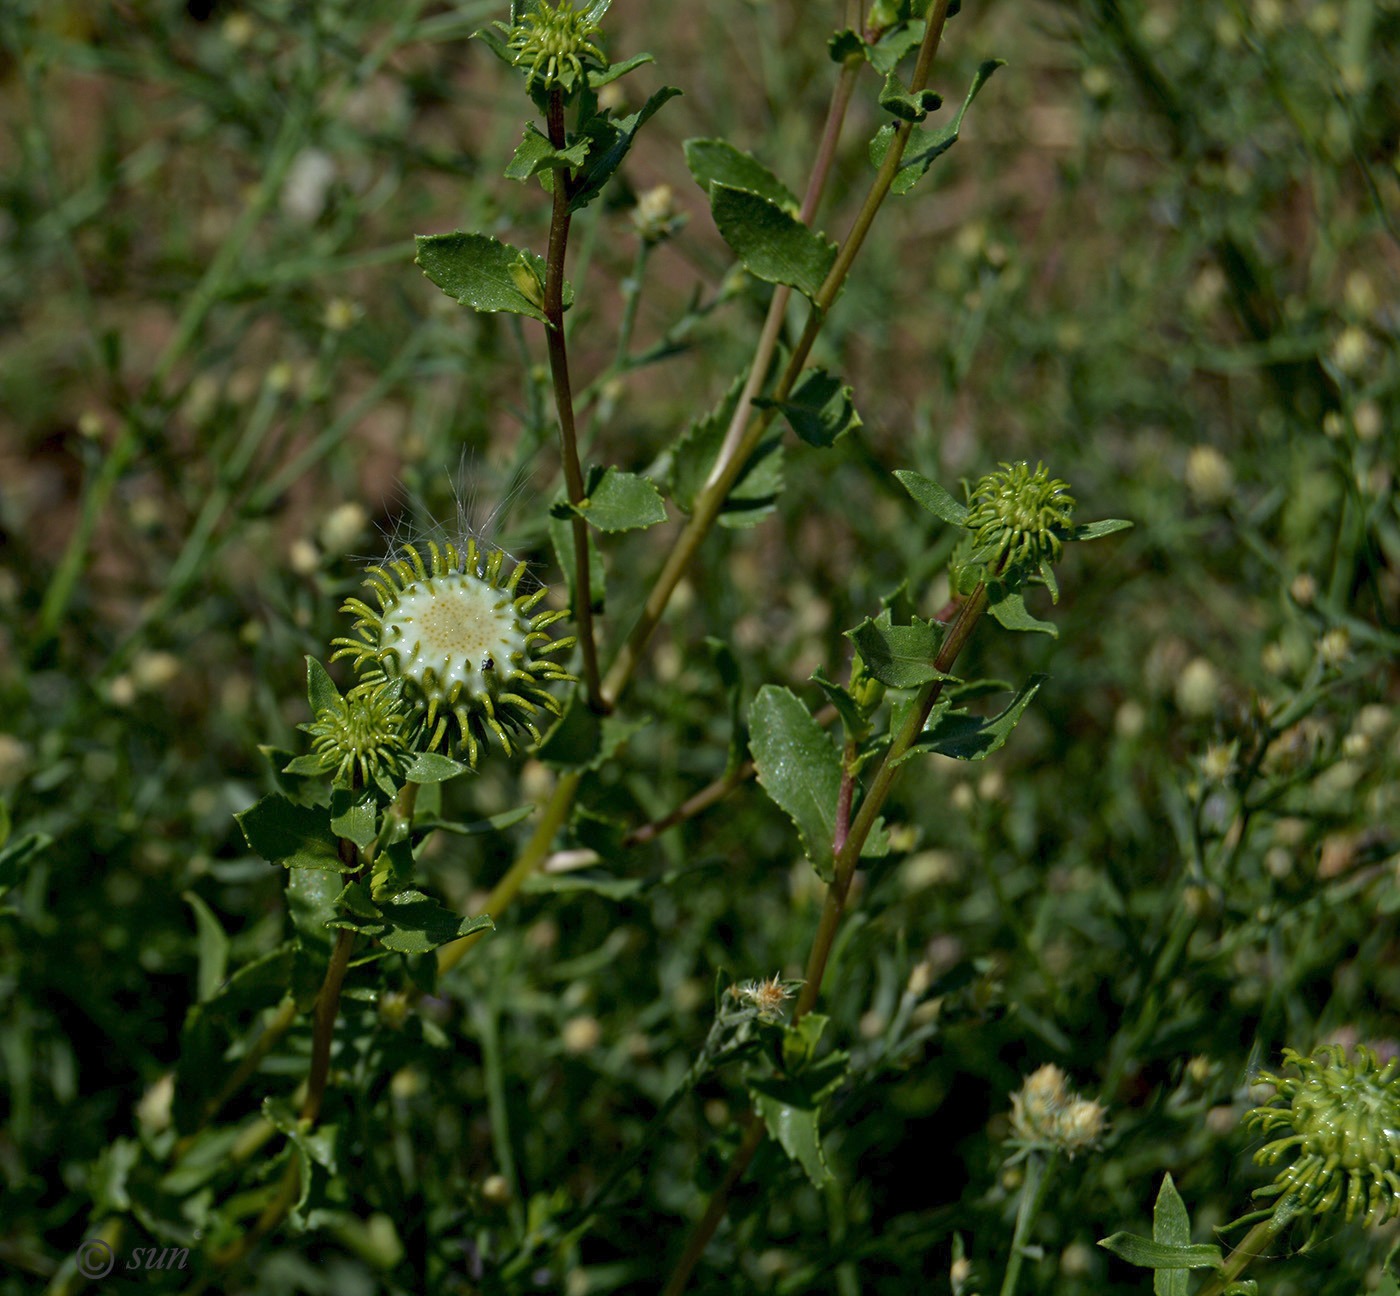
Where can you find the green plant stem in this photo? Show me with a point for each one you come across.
(323, 1033)
(536, 851)
(1252, 1246)
(737, 449)
(1039, 1169)
(564, 403)
(847, 857)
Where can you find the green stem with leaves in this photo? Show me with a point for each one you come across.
(1039, 1170)
(564, 402)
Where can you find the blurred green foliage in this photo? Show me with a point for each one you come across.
(1163, 258)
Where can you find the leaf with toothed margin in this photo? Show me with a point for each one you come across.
(483, 273)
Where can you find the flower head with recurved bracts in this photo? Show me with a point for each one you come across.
(362, 735)
(471, 651)
(1343, 1120)
(1019, 518)
(553, 41)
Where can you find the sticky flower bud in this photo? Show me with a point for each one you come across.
(1017, 522)
(361, 736)
(1342, 1121)
(471, 651)
(553, 42)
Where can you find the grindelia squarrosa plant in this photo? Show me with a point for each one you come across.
(541, 1001)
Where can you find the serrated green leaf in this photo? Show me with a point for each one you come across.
(843, 44)
(413, 923)
(353, 815)
(819, 410)
(1009, 608)
(1171, 1225)
(799, 768)
(790, 1104)
(321, 692)
(925, 147)
(620, 501)
(754, 493)
(1148, 1254)
(969, 737)
(212, 944)
(291, 835)
(535, 153)
(355, 900)
(716, 161)
(311, 897)
(609, 143)
(897, 42)
(433, 767)
(930, 495)
(1095, 530)
(900, 656)
(476, 270)
(772, 243)
(894, 99)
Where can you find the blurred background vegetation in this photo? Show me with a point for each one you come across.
(1163, 258)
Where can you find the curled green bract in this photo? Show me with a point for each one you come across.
(362, 735)
(471, 652)
(1018, 518)
(552, 42)
(1342, 1119)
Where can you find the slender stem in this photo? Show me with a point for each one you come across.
(728, 467)
(719, 1203)
(843, 799)
(849, 854)
(1039, 1169)
(323, 1033)
(564, 402)
(555, 812)
(1252, 1246)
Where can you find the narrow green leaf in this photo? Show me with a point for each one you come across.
(819, 410)
(1171, 1225)
(433, 767)
(846, 706)
(716, 161)
(799, 768)
(754, 493)
(295, 836)
(969, 737)
(18, 856)
(772, 243)
(930, 495)
(476, 827)
(620, 501)
(899, 655)
(1094, 530)
(791, 1104)
(609, 143)
(212, 944)
(600, 77)
(1009, 608)
(321, 692)
(482, 272)
(1148, 1254)
(535, 153)
(355, 901)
